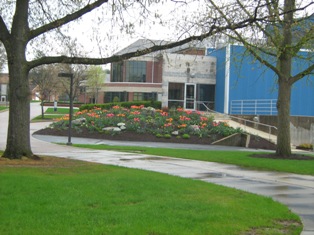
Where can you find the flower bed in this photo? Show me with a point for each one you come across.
(139, 119)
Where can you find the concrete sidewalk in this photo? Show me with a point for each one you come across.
(296, 191)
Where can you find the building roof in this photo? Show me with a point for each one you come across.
(142, 44)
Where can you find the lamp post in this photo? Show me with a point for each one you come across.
(69, 75)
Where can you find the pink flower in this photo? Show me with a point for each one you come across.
(136, 119)
(204, 119)
(184, 118)
(215, 123)
(136, 113)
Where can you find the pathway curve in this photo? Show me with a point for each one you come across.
(296, 191)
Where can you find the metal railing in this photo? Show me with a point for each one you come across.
(244, 121)
(254, 107)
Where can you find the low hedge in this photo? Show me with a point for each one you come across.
(154, 104)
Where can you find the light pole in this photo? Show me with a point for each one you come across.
(69, 75)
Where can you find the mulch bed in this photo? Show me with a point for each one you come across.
(127, 136)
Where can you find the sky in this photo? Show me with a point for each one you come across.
(99, 33)
(149, 28)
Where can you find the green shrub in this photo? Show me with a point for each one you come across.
(116, 99)
(186, 136)
(305, 146)
(167, 136)
(222, 128)
(154, 104)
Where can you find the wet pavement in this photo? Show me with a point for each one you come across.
(295, 191)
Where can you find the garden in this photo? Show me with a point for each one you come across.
(143, 124)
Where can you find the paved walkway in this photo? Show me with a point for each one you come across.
(296, 191)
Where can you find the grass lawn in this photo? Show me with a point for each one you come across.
(239, 158)
(61, 196)
(50, 114)
(47, 117)
(63, 111)
(3, 108)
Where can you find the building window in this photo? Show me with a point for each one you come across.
(3, 89)
(176, 95)
(176, 91)
(205, 95)
(115, 97)
(117, 72)
(140, 96)
(137, 96)
(135, 71)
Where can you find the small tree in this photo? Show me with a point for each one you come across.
(78, 72)
(95, 77)
(45, 79)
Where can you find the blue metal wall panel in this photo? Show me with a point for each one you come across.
(252, 83)
(220, 54)
(250, 80)
(302, 97)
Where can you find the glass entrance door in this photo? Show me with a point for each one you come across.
(190, 94)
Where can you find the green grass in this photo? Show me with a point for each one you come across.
(238, 158)
(47, 117)
(73, 197)
(3, 108)
(50, 114)
(63, 111)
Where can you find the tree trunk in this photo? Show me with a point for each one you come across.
(283, 105)
(284, 64)
(18, 139)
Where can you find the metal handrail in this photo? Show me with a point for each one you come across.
(243, 119)
(267, 106)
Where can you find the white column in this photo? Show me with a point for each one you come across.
(227, 78)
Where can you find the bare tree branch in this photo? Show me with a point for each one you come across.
(302, 74)
(115, 58)
(68, 18)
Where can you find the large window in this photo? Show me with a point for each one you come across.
(205, 94)
(140, 96)
(117, 72)
(135, 71)
(115, 97)
(176, 95)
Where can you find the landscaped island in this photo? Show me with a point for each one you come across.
(153, 124)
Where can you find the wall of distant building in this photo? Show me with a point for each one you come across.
(179, 70)
(4, 87)
(245, 86)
